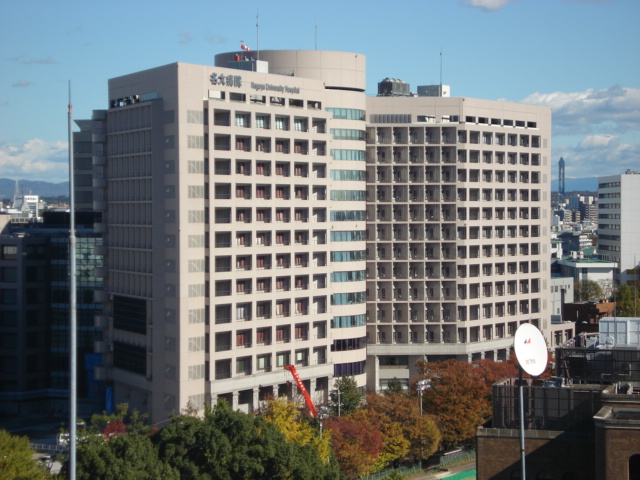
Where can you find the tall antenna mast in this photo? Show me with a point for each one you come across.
(441, 71)
(315, 36)
(257, 35)
(72, 305)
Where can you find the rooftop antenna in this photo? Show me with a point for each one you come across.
(440, 70)
(315, 38)
(257, 34)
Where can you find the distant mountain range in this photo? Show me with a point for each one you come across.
(588, 184)
(46, 189)
(30, 187)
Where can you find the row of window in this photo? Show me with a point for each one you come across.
(348, 195)
(352, 276)
(348, 134)
(435, 175)
(349, 256)
(349, 175)
(230, 80)
(347, 113)
(222, 166)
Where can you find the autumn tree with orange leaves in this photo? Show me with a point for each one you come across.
(459, 397)
(419, 431)
(356, 442)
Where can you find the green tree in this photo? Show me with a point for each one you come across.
(228, 445)
(347, 395)
(587, 291)
(394, 386)
(295, 426)
(627, 301)
(119, 421)
(16, 459)
(131, 456)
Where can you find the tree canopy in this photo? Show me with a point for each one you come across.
(16, 459)
(296, 427)
(420, 432)
(349, 396)
(627, 301)
(587, 291)
(357, 444)
(458, 397)
(224, 445)
(130, 456)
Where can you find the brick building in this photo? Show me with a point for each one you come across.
(583, 424)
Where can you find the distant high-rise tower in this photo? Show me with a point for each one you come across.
(561, 177)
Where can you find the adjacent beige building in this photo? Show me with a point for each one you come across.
(458, 229)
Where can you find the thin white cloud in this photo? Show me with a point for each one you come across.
(185, 37)
(36, 159)
(598, 141)
(614, 110)
(76, 29)
(594, 130)
(597, 155)
(489, 5)
(215, 39)
(26, 61)
(22, 83)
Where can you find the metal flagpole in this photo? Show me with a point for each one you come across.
(72, 306)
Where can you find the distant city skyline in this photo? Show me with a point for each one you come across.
(575, 56)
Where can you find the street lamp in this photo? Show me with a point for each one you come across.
(421, 386)
(336, 394)
(323, 413)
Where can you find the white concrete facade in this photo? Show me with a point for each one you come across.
(235, 229)
(619, 223)
(561, 292)
(458, 233)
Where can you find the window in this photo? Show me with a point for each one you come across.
(9, 252)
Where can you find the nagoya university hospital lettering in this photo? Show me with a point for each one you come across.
(236, 81)
(274, 88)
(226, 80)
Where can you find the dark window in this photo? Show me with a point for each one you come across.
(343, 369)
(130, 358)
(130, 314)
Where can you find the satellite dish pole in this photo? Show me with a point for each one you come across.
(531, 352)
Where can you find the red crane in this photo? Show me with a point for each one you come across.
(305, 394)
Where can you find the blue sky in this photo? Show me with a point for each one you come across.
(580, 57)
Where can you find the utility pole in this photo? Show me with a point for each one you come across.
(72, 305)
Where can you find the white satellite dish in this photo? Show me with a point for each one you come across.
(531, 349)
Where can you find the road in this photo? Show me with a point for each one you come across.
(451, 471)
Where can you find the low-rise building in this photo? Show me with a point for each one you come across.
(582, 424)
(588, 269)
